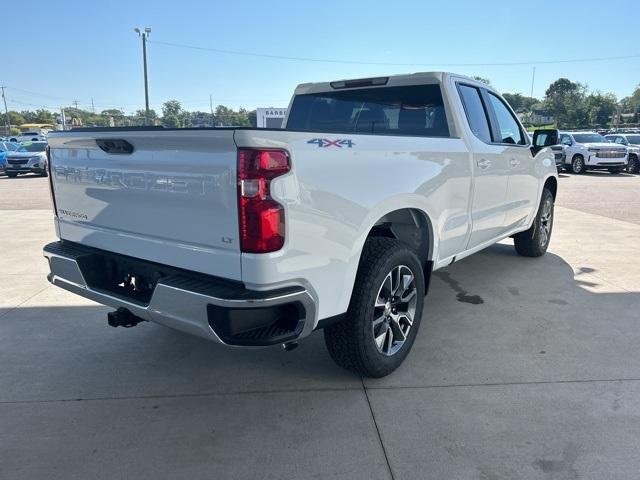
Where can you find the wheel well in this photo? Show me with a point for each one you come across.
(411, 227)
(552, 184)
(577, 155)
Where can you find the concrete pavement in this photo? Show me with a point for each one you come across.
(540, 380)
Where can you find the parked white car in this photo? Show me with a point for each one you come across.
(632, 142)
(28, 137)
(591, 151)
(254, 237)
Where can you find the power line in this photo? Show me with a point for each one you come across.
(391, 64)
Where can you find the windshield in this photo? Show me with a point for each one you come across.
(633, 139)
(33, 147)
(589, 138)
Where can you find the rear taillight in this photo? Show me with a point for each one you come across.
(261, 217)
(49, 171)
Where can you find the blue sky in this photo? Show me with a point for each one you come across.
(68, 50)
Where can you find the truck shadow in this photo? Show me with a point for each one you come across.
(538, 319)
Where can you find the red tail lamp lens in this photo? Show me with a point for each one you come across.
(261, 218)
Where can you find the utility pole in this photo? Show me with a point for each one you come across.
(63, 119)
(93, 107)
(75, 104)
(533, 79)
(213, 119)
(144, 35)
(6, 112)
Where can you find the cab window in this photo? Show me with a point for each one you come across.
(475, 111)
(508, 128)
(565, 139)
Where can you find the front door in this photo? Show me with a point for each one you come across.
(490, 170)
(523, 183)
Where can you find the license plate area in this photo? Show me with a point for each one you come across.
(124, 277)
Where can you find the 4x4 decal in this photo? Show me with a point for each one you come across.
(325, 142)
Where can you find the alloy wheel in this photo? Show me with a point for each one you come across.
(394, 310)
(546, 220)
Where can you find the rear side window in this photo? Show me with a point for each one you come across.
(476, 114)
(412, 110)
(508, 127)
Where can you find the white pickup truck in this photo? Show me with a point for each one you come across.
(591, 151)
(254, 237)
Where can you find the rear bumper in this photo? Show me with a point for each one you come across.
(209, 307)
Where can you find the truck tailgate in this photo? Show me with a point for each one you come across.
(172, 200)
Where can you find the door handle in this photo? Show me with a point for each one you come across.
(483, 163)
(514, 162)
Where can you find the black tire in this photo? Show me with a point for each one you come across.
(12, 174)
(535, 241)
(616, 170)
(577, 164)
(44, 174)
(351, 342)
(634, 165)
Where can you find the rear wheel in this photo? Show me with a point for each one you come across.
(535, 241)
(384, 313)
(12, 174)
(616, 170)
(577, 164)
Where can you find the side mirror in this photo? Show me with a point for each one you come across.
(544, 138)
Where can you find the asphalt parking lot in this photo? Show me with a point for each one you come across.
(540, 380)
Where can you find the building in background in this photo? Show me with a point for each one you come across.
(271, 117)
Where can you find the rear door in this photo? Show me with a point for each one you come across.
(171, 199)
(490, 169)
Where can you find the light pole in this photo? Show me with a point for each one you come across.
(6, 112)
(144, 35)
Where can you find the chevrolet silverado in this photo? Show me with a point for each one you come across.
(254, 237)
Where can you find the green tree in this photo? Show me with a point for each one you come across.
(253, 119)
(601, 108)
(45, 116)
(15, 118)
(631, 104)
(171, 107)
(171, 121)
(519, 102)
(172, 114)
(201, 119)
(153, 116)
(566, 101)
(29, 116)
